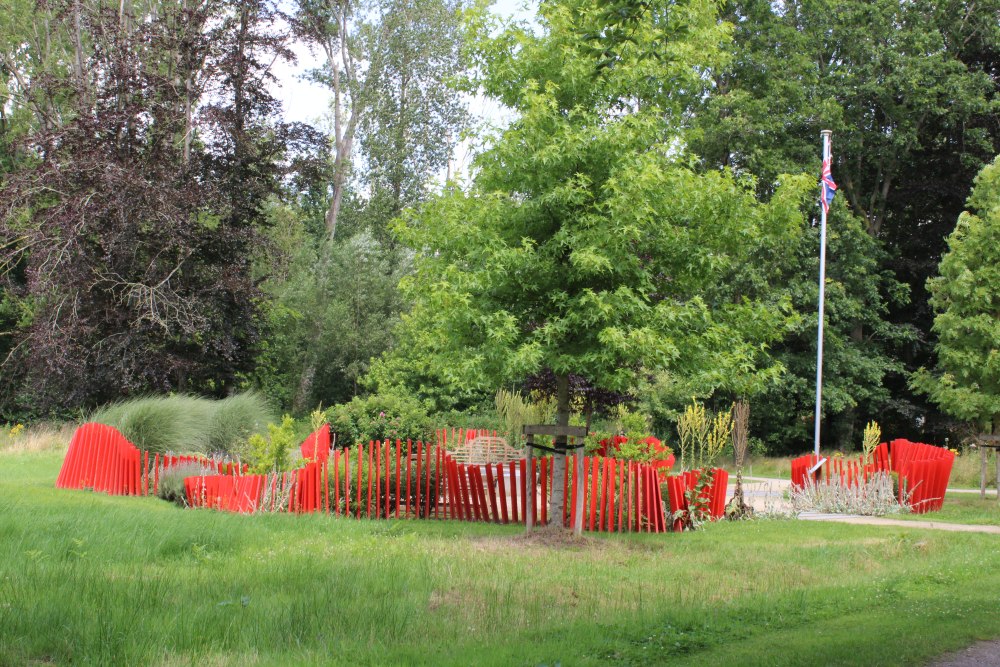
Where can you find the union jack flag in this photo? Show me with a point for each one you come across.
(827, 187)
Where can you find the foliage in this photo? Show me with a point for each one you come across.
(182, 423)
(381, 417)
(136, 220)
(858, 340)
(273, 453)
(171, 483)
(966, 297)
(586, 245)
(910, 92)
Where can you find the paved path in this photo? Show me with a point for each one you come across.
(979, 654)
(884, 521)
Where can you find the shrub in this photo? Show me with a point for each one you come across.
(386, 484)
(381, 417)
(171, 486)
(271, 454)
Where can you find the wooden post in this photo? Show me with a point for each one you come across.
(982, 474)
(529, 488)
(578, 494)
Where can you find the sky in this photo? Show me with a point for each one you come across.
(307, 102)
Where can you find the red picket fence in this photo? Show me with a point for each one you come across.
(421, 480)
(618, 496)
(924, 471)
(100, 458)
(713, 494)
(381, 480)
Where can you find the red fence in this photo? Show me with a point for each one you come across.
(381, 480)
(100, 458)
(713, 495)
(924, 471)
(416, 479)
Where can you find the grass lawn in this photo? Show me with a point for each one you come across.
(86, 578)
(962, 508)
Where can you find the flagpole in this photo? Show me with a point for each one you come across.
(825, 134)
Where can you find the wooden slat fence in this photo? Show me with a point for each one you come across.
(380, 480)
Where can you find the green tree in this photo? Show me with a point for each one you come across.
(586, 245)
(966, 297)
(909, 90)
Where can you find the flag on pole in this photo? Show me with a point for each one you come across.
(827, 187)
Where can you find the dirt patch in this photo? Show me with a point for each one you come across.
(543, 537)
(980, 653)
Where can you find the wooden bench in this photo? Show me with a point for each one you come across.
(483, 450)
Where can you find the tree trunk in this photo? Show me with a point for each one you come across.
(557, 501)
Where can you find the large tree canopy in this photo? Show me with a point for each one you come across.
(585, 243)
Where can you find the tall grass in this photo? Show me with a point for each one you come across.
(236, 418)
(182, 423)
(35, 438)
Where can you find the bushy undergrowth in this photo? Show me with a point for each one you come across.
(272, 453)
(380, 417)
(171, 486)
(184, 423)
(385, 483)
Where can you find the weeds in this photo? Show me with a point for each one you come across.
(36, 438)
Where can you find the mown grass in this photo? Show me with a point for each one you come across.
(86, 578)
(962, 508)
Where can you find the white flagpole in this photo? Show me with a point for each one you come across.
(825, 134)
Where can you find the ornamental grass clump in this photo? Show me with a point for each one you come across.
(182, 423)
(877, 495)
(236, 418)
(160, 424)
